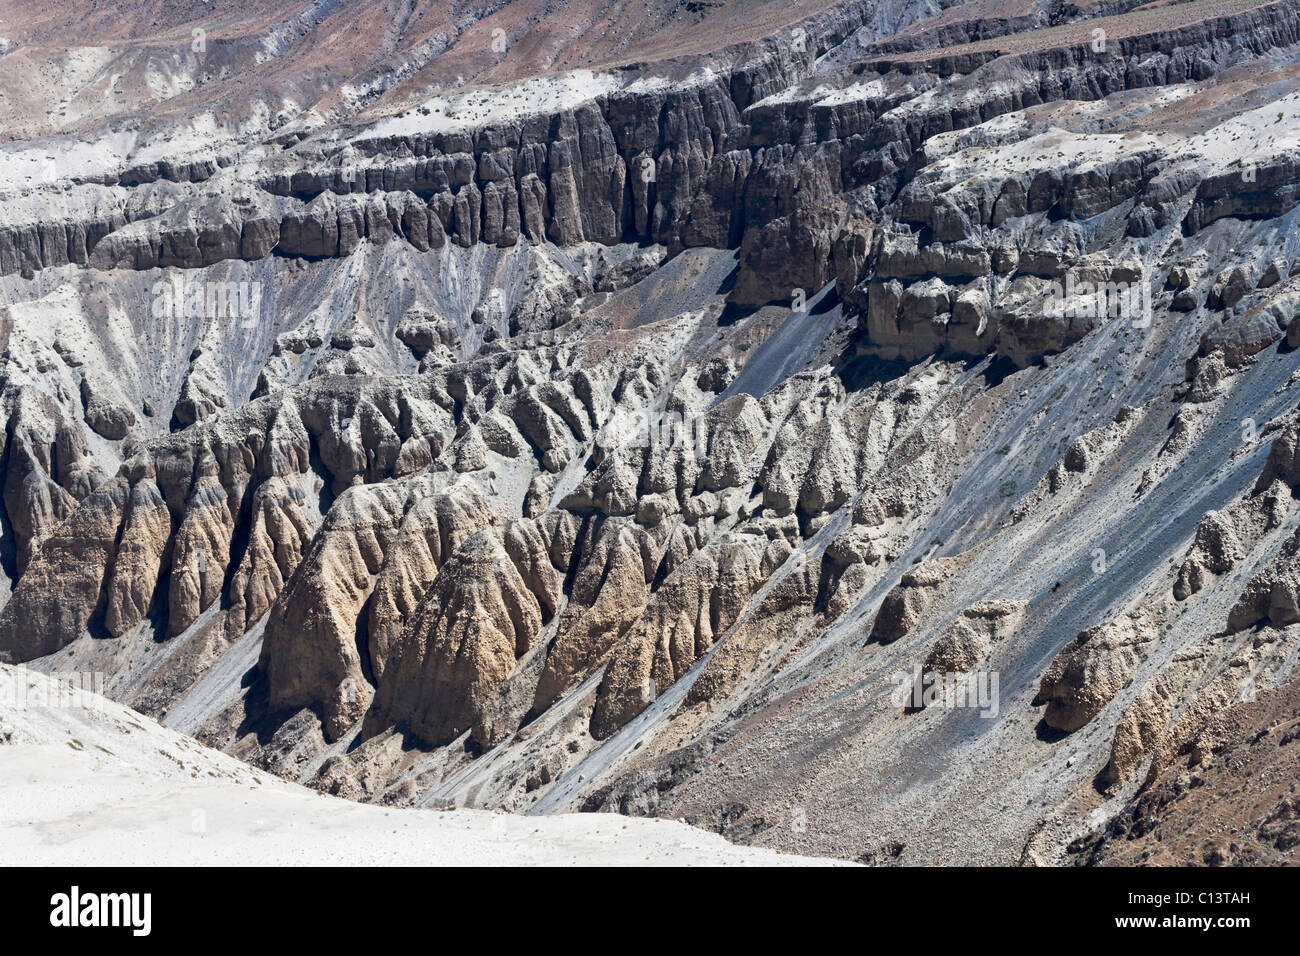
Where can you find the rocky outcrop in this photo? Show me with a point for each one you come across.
(1182, 817)
(219, 488)
(908, 601)
(480, 615)
(969, 640)
(689, 613)
(48, 469)
(1271, 595)
(1214, 551)
(336, 625)
(523, 486)
(1223, 538)
(1092, 669)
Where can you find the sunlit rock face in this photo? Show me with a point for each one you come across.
(839, 413)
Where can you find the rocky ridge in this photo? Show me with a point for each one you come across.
(591, 457)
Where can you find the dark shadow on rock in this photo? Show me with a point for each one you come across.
(729, 282)
(999, 369)
(259, 718)
(827, 302)
(1049, 735)
(862, 371)
(732, 313)
(1100, 784)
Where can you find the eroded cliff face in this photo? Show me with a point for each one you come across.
(642, 438)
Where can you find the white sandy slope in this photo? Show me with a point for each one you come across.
(86, 781)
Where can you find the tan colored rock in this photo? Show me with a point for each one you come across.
(1094, 667)
(283, 524)
(48, 468)
(1144, 723)
(908, 600)
(784, 613)
(431, 530)
(1283, 463)
(137, 565)
(607, 594)
(689, 612)
(1272, 595)
(1215, 550)
(968, 641)
(309, 650)
(476, 620)
(201, 550)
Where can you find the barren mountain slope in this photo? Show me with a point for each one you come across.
(635, 424)
(1230, 801)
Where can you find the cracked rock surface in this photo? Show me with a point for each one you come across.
(611, 423)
